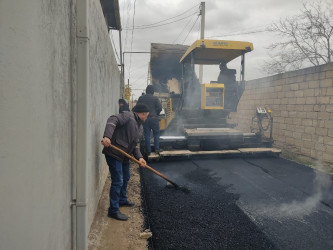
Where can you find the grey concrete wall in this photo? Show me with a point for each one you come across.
(35, 125)
(105, 92)
(37, 99)
(302, 107)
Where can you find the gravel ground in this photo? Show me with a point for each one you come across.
(205, 218)
(107, 233)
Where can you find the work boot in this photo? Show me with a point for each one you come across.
(118, 216)
(126, 204)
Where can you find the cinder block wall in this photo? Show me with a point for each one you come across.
(302, 108)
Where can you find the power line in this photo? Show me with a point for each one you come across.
(191, 29)
(132, 41)
(182, 32)
(240, 33)
(139, 68)
(153, 24)
(156, 24)
(149, 27)
(127, 21)
(199, 30)
(138, 78)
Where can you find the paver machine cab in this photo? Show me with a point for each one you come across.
(196, 115)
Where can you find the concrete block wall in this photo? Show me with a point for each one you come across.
(302, 107)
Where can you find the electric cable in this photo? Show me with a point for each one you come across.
(190, 30)
(153, 24)
(139, 78)
(199, 28)
(180, 19)
(182, 32)
(127, 21)
(129, 70)
(240, 33)
(268, 123)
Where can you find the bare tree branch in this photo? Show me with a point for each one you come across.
(306, 39)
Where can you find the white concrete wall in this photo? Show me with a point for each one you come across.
(37, 99)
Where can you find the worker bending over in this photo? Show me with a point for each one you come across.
(123, 131)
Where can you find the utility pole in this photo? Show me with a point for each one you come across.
(149, 76)
(132, 101)
(202, 35)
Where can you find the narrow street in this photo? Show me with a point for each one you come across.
(249, 203)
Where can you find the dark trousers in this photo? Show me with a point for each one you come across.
(120, 175)
(152, 123)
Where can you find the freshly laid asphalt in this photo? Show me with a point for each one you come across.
(240, 203)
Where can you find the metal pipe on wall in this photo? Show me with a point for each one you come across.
(80, 221)
(73, 81)
(122, 76)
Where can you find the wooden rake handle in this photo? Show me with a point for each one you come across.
(148, 167)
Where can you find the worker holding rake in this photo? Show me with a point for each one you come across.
(123, 131)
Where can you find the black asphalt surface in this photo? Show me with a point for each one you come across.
(245, 203)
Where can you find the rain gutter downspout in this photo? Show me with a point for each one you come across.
(80, 212)
(122, 75)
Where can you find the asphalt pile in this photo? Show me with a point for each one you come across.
(205, 218)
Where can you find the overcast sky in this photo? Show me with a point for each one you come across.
(239, 20)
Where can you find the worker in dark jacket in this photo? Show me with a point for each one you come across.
(123, 131)
(123, 105)
(152, 123)
(226, 76)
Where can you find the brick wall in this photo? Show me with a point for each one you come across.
(302, 107)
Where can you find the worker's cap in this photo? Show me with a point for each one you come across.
(140, 108)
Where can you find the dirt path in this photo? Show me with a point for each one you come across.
(106, 233)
